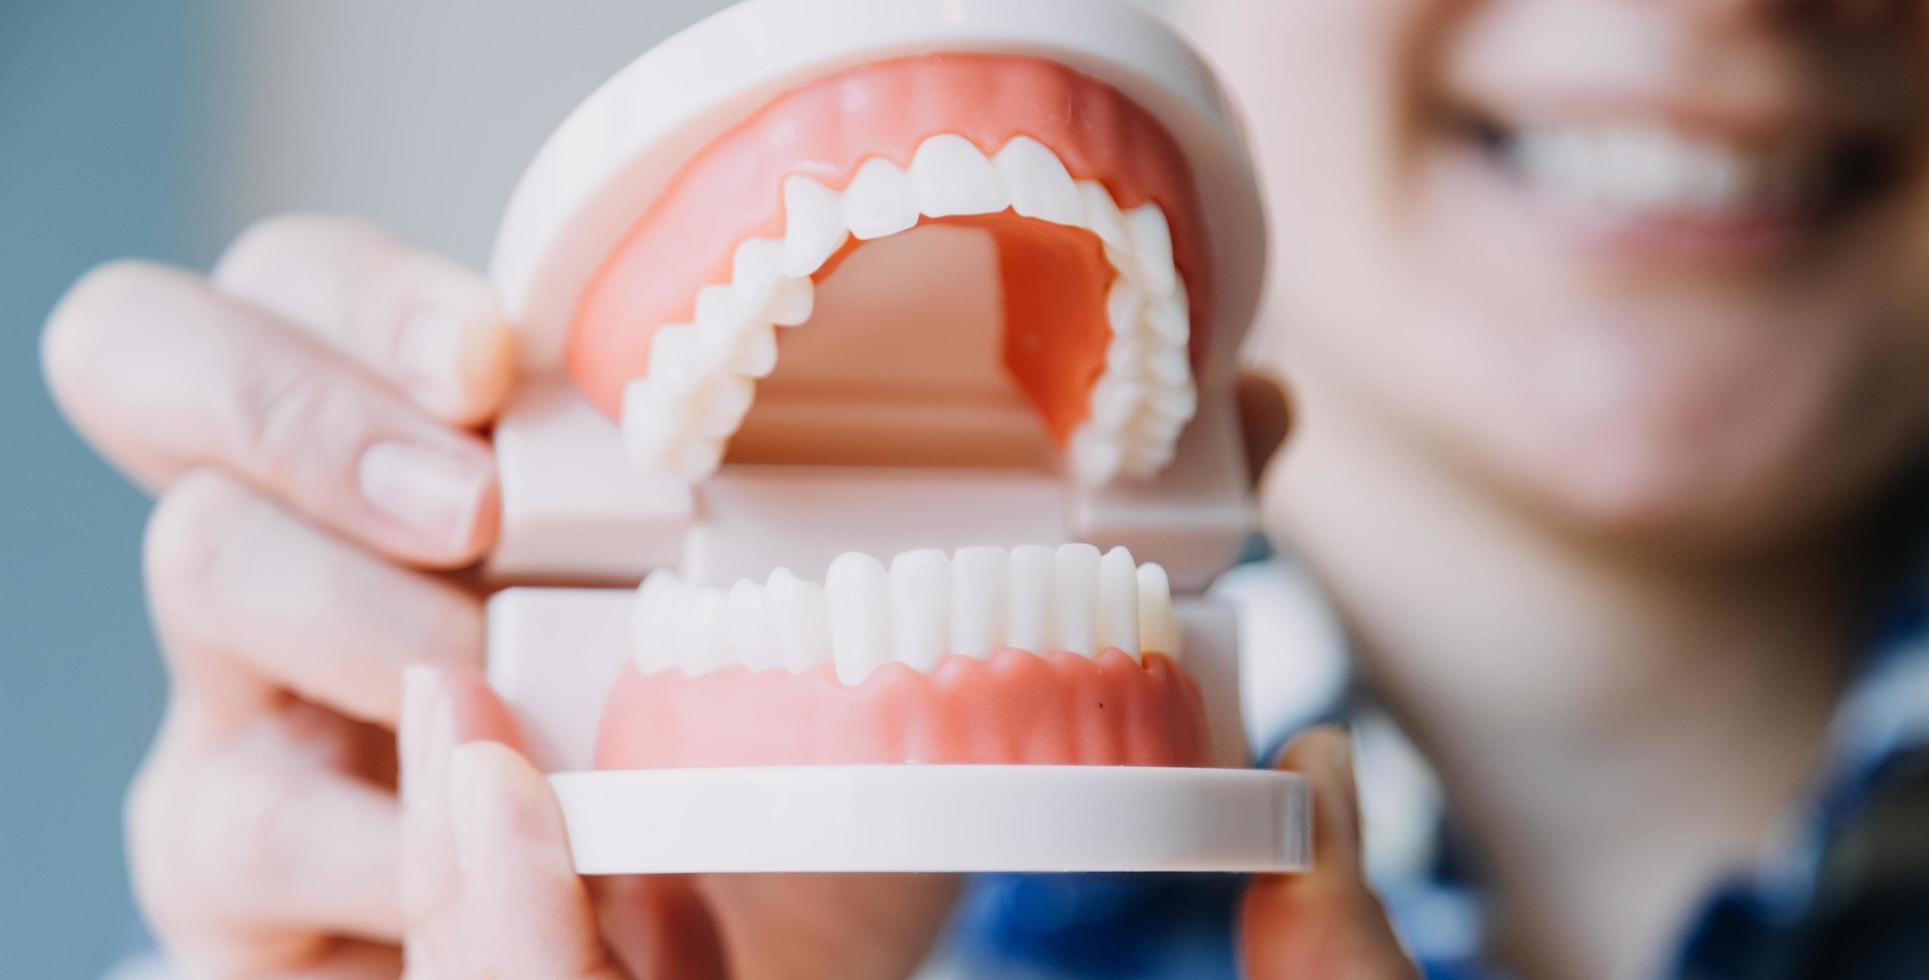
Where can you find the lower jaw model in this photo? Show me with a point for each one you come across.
(850, 322)
(1031, 656)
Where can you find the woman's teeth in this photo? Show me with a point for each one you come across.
(1646, 170)
(925, 606)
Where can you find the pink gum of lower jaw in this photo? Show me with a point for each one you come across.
(732, 190)
(1014, 708)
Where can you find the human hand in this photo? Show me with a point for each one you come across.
(1325, 922)
(300, 416)
(488, 887)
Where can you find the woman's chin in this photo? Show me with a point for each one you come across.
(1673, 491)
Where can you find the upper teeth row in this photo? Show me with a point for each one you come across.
(702, 375)
(926, 605)
(1656, 169)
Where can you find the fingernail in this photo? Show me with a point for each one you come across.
(1342, 803)
(472, 790)
(426, 735)
(488, 808)
(434, 493)
(1340, 753)
(453, 354)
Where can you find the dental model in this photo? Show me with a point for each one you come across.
(849, 323)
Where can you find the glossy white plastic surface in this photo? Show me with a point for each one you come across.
(936, 818)
(574, 508)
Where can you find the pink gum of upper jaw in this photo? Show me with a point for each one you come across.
(733, 189)
(1015, 708)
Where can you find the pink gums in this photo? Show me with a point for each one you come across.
(733, 190)
(1015, 708)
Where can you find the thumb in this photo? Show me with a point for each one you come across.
(489, 888)
(1325, 922)
(1265, 420)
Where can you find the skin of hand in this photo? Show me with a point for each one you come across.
(301, 416)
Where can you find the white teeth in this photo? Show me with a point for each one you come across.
(810, 618)
(860, 616)
(754, 272)
(1158, 627)
(978, 602)
(774, 638)
(763, 291)
(926, 606)
(1171, 319)
(1118, 604)
(1124, 356)
(696, 455)
(1124, 305)
(921, 607)
(718, 307)
(1039, 184)
(1075, 599)
(673, 357)
(701, 375)
(1152, 248)
(792, 301)
(701, 643)
(1114, 399)
(1146, 387)
(814, 226)
(755, 354)
(879, 203)
(653, 621)
(650, 429)
(1103, 218)
(802, 620)
(1148, 458)
(1654, 169)
(1175, 403)
(744, 618)
(676, 417)
(1096, 456)
(1028, 598)
(720, 408)
(1157, 429)
(950, 177)
(1169, 367)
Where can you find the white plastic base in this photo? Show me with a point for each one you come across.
(912, 818)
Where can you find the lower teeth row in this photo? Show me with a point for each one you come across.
(926, 605)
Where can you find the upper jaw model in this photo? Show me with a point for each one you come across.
(889, 344)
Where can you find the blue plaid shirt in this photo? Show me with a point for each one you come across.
(1847, 895)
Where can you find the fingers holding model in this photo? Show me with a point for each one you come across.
(300, 417)
(321, 367)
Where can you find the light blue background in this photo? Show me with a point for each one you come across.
(95, 148)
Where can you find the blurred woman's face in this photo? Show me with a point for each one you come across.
(1657, 267)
